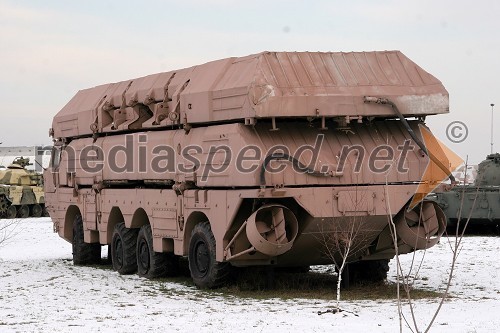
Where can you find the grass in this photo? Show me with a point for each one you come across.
(313, 285)
(252, 283)
(378, 291)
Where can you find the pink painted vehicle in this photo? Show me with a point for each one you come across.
(247, 162)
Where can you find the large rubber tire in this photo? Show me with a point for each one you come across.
(36, 210)
(151, 264)
(206, 272)
(123, 249)
(83, 253)
(369, 271)
(23, 211)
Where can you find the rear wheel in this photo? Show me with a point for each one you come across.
(36, 210)
(369, 270)
(151, 264)
(206, 272)
(123, 249)
(23, 212)
(83, 253)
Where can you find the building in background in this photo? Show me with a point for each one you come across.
(39, 156)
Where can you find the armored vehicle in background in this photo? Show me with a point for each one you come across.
(249, 161)
(479, 202)
(21, 191)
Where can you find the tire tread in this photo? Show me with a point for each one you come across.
(129, 240)
(161, 264)
(83, 253)
(219, 272)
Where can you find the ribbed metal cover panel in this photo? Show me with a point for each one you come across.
(339, 69)
(268, 84)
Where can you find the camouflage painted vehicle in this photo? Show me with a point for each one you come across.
(479, 201)
(247, 162)
(21, 191)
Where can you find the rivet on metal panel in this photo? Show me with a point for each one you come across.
(174, 116)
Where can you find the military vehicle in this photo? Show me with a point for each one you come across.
(21, 191)
(478, 202)
(247, 161)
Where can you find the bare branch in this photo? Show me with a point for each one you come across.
(8, 229)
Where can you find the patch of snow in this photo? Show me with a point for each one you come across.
(41, 290)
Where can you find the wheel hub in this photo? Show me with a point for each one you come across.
(202, 257)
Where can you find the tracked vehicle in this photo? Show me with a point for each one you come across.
(478, 202)
(21, 191)
(247, 161)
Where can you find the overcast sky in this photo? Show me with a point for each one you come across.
(52, 49)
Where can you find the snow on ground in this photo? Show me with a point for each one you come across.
(41, 290)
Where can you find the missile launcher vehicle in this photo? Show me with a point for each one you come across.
(251, 161)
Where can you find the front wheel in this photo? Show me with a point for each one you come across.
(206, 272)
(123, 249)
(151, 264)
(83, 253)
